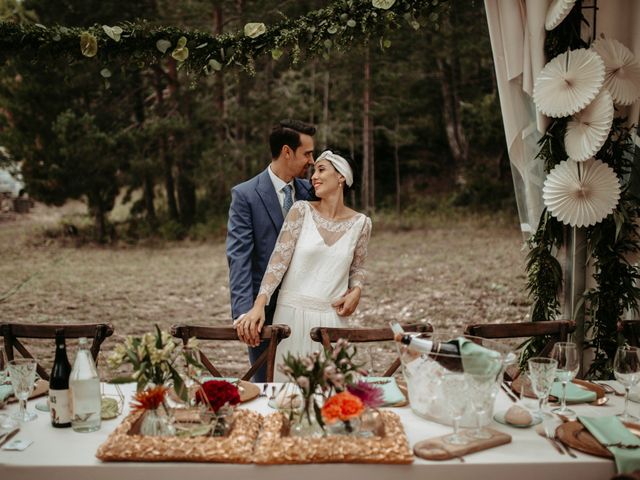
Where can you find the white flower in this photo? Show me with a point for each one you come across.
(254, 30)
(303, 383)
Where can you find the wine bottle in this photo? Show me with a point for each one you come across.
(84, 384)
(446, 354)
(59, 397)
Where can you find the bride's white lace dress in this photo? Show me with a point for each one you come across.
(315, 261)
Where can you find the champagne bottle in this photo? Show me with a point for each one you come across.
(446, 354)
(84, 384)
(59, 397)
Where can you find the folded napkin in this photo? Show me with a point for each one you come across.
(479, 360)
(575, 393)
(206, 378)
(391, 393)
(5, 392)
(611, 433)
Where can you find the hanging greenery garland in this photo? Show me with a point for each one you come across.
(610, 243)
(138, 43)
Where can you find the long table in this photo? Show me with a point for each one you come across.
(66, 455)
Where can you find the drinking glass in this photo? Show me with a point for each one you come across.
(542, 373)
(4, 372)
(566, 354)
(22, 373)
(454, 387)
(483, 392)
(626, 368)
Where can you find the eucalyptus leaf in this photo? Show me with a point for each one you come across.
(254, 30)
(39, 25)
(332, 30)
(112, 32)
(202, 45)
(180, 54)
(56, 37)
(383, 4)
(182, 42)
(105, 72)
(276, 53)
(328, 43)
(118, 380)
(351, 23)
(163, 45)
(215, 65)
(88, 45)
(386, 43)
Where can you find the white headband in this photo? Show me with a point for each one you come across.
(340, 164)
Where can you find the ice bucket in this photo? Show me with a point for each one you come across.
(426, 376)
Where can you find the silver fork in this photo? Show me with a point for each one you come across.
(264, 390)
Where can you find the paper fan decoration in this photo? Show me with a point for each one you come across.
(568, 83)
(622, 71)
(589, 128)
(557, 12)
(581, 193)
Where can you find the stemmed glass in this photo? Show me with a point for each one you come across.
(454, 387)
(542, 373)
(3, 366)
(626, 368)
(23, 375)
(483, 392)
(566, 354)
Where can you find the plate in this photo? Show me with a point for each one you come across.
(499, 417)
(523, 382)
(576, 435)
(248, 391)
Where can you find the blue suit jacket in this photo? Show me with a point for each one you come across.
(255, 220)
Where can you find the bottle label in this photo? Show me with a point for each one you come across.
(60, 406)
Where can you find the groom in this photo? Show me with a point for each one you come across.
(257, 211)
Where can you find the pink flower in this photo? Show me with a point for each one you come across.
(371, 396)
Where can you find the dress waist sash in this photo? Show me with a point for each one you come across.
(297, 300)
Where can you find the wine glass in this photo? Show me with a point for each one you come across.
(454, 387)
(23, 375)
(3, 366)
(626, 368)
(542, 373)
(483, 392)
(566, 354)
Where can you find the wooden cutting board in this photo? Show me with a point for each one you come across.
(438, 449)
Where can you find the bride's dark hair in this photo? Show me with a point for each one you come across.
(354, 169)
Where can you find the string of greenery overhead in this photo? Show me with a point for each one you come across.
(141, 44)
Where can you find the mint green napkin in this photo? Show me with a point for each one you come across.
(226, 379)
(611, 431)
(479, 360)
(5, 392)
(391, 393)
(575, 394)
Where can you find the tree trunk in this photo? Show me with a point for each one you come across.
(325, 110)
(165, 158)
(219, 79)
(240, 131)
(396, 163)
(456, 138)
(365, 193)
(148, 181)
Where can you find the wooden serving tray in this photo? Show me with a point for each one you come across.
(438, 449)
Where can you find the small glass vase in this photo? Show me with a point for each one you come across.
(222, 422)
(156, 423)
(303, 423)
(347, 427)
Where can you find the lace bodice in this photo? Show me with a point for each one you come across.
(331, 231)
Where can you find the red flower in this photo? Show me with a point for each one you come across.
(217, 393)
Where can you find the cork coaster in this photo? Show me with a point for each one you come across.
(438, 449)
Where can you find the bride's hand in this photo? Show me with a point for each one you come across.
(250, 326)
(348, 303)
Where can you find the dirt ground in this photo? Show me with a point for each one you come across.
(450, 274)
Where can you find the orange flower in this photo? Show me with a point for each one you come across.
(342, 406)
(149, 399)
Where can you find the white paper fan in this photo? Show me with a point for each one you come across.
(589, 128)
(568, 83)
(622, 71)
(557, 12)
(581, 193)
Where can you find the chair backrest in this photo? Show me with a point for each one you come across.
(273, 333)
(13, 332)
(555, 331)
(630, 330)
(329, 335)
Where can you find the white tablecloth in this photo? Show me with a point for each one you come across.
(66, 455)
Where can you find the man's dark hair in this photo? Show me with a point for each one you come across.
(287, 132)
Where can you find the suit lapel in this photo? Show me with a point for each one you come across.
(303, 191)
(270, 199)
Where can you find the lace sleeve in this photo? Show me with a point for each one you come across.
(357, 272)
(283, 251)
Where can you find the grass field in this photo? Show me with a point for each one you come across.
(448, 272)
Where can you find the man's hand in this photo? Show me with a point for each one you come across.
(250, 325)
(348, 303)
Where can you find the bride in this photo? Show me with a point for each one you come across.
(318, 256)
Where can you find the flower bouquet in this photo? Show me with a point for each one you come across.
(217, 397)
(330, 391)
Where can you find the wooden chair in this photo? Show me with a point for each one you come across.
(12, 332)
(557, 331)
(329, 335)
(273, 333)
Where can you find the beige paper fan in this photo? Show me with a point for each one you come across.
(557, 12)
(622, 70)
(589, 128)
(581, 194)
(568, 83)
